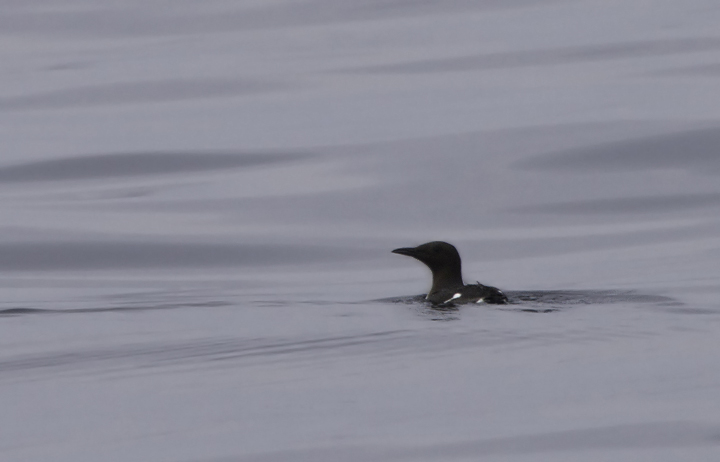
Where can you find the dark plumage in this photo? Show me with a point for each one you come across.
(443, 260)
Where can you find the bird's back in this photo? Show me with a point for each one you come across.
(472, 293)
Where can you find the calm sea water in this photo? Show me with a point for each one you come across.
(199, 202)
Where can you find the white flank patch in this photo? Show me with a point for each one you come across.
(457, 295)
(482, 300)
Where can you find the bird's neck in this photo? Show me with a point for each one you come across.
(446, 278)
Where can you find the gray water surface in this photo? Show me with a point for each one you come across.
(199, 204)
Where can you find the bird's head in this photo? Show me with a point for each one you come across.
(437, 255)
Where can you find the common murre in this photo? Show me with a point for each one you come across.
(443, 260)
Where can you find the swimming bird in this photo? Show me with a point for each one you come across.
(443, 260)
